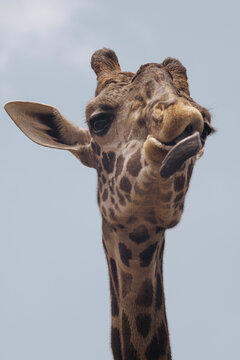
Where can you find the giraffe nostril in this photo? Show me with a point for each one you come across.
(189, 129)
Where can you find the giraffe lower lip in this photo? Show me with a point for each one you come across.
(179, 153)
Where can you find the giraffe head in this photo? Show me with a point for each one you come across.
(145, 133)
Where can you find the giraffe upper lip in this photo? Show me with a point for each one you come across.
(183, 135)
(168, 146)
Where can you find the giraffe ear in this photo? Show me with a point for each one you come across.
(178, 73)
(105, 61)
(46, 126)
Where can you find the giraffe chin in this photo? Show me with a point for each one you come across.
(183, 150)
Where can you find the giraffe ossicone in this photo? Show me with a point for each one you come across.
(144, 135)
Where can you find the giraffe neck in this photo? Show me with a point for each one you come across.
(139, 325)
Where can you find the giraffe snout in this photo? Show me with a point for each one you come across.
(176, 122)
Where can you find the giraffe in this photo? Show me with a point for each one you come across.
(144, 136)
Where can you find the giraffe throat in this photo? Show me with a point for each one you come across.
(139, 328)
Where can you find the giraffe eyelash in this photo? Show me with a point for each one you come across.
(100, 123)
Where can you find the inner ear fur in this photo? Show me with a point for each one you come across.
(46, 126)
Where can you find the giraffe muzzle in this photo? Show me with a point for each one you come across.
(183, 150)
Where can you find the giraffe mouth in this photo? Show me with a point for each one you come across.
(179, 153)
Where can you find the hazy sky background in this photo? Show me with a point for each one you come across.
(54, 296)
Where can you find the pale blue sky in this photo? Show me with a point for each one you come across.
(54, 301)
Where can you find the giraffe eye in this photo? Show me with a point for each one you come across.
(207, 130)
(100, 123)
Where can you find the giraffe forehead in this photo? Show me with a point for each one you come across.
(114, 93)
(151, 71)
(106, 102)
(150, 83)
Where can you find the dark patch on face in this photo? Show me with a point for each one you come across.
(179, 197)
(111, 189)
(130, 352)
(181, 207)
(163, 336)
(104, 179)
(108, 160)
(116, 344)
(147, 255)
(125, 253)
(121, 226)
(116, 207)
(100, 186)
(112, 200)
(160, 256)
(111, 185)
(179, 182)
(134, 165)
(112, 214)
(145, 294)
(114, 273)
(139, 234)
(122, 201)
(162, 250)
(99, 169)
(166, 197)
(189, 172)
(96, 148)
(119, 165)
(143, 322)
(104, 246)
(126, 283)
(158, 229)
(125, 184)
(141, 122)
(104, 210)
(139, 98)
(128, 197)
(114, 303)
(151, 219)
(158, 345)
(131, 220)
(106, 107)
(105, 195)
(159, 293)
(149, 87)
